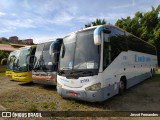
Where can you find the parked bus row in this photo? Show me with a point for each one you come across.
(92, 64)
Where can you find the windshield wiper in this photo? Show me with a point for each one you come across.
(66, 68)
(82, 73)
(61, 71)
(77, 74)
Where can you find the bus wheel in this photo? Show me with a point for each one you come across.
(122, 86)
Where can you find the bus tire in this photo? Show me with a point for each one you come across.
(122, 86)
(151, 73)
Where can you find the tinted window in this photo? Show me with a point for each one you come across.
(118, 42)
(114, 44)
(106, 51)
(136, 44)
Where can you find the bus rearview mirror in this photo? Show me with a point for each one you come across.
(54, 57)
(97, 34)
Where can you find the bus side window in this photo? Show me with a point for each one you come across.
(106, 51)
(118, 43)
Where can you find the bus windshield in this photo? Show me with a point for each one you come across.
(20, 64)
(43, 55)
(10, 60)
(79, 52)
(46, 56)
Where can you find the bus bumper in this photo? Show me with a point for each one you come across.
(45, 82)
(8, 73)
(22, 79)
(90, 96)
(22, 76)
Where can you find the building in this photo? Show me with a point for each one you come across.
(13, 39)
(29, 41)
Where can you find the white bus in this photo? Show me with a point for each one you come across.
(99, 62)
(46, 62)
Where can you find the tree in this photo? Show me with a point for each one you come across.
(95, 23)
(3, 54)
(87, 25)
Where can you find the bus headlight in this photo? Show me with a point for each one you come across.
(94, 87)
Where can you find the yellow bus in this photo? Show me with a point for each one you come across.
(23, 64)
(9, 65)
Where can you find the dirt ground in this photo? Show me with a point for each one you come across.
(17, 96)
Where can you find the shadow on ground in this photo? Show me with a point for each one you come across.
(49, 87)
(30, 84)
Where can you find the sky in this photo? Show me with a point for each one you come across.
(43, 20)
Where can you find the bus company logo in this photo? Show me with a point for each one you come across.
(6, 114)
(142, 59)
(85, 80)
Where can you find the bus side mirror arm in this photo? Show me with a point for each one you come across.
(97, 34)
(54, 57)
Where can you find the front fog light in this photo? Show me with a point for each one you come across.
(94, 87)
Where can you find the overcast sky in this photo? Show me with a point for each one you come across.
(42, 20)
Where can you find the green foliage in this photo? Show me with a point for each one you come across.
(87, 25)
(96, 22)
(145, 26)
(33, 108)
(52, 105)
(3, 54)
(2, 74)
(45, 105)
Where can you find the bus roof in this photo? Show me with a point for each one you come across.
(89, 28)
(50, 40)
(109, 26)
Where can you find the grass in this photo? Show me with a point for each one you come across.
(45, 105)
(33, 108)
(2, 74)
(52, 105)
(158, 71)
